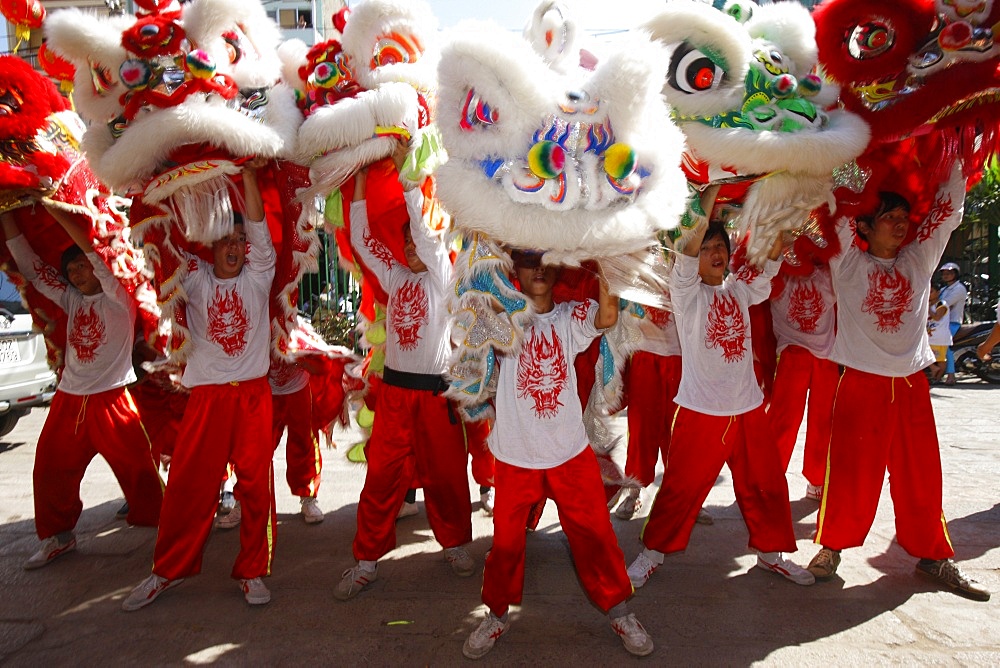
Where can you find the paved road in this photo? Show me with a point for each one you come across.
(707, 606)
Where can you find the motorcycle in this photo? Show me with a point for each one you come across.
(965, 342)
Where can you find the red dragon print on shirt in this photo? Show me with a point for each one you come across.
(889, 296)
(658, 316)
(87, 334)
(409, 314)
(580, 311)
(378, 249)
(805, 307)
(228, 323)
(942, 211)
(727, 328)
(542, 372)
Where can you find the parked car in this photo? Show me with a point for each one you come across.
(25, 377)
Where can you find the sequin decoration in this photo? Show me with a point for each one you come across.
(851, 176)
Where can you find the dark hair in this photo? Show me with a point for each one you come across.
(887, 201)
(718, 229)
(68, 256)
(237, 218)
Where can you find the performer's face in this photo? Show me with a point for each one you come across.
(537, 281)
(413, 260)
(888, 231)
(713, 260)
(229, 253)
(80, 274)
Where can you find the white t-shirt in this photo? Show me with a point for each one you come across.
(286, 378)
(713, 323)
(804, 314)
(955, 294)
(539, 419)
(938, 332)
(418, 328)
(100, 329)
(882, 304)
(228, 317)
(666, 342)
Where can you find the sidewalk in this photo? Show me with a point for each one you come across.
(707, 606)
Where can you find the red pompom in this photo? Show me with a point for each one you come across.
(340, 19)
(154, 35)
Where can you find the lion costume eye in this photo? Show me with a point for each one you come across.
(869, 40)
(691, 71)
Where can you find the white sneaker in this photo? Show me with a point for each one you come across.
(460, 560)
(814, 492)
(776, 563)
(226, 503)
(50, 548)
(311, 512)
(633, 635)
(640, 570)
(481, 641)
(487, 499)
(232, 520)
(632, 503)
(406, 510)
(353, 581)
(147, 591)
(255, 592)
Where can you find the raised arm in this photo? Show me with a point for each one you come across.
(702, 210)
(44, 277)
(262, 256)
(75, 232)
(607, 306)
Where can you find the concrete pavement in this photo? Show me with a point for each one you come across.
(707, 606)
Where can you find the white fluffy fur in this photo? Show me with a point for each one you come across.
(151, 137)
(553, 16)
(790, 27)
(704, 27)
(516, 82)
(81, 37)
(205, 21)
(352, 120)
(376, 17)
(292, 54)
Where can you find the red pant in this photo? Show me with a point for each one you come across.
(699, 446)
(77, 428)
(222, 423)
(303, 460)
(483, 462)
(414, 433)
(161, 412)
(799, 371)
(651, 385)
(882, 423)
(578, 491)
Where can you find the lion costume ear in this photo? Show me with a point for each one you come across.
(94, 47)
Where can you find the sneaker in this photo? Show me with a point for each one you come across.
(814, 492)
(824, 565)
(255, 592)
(776, 563)
(460, 560)
(147, 591)
(226, 503)
(353, 581)
(487, 499)
(122, 512)
(50, 548)
(633, 635)
(232, 520)
(310, 510)
(481, 641)
(627, 509)
(704, 518)
(640, 570)
(947, 572)
(406, 510)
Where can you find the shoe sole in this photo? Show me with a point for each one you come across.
(964, 593)
(314, 520)
(824, 577)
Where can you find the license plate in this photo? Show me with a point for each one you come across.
(9, 353)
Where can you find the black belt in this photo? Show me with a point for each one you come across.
(414, 381)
